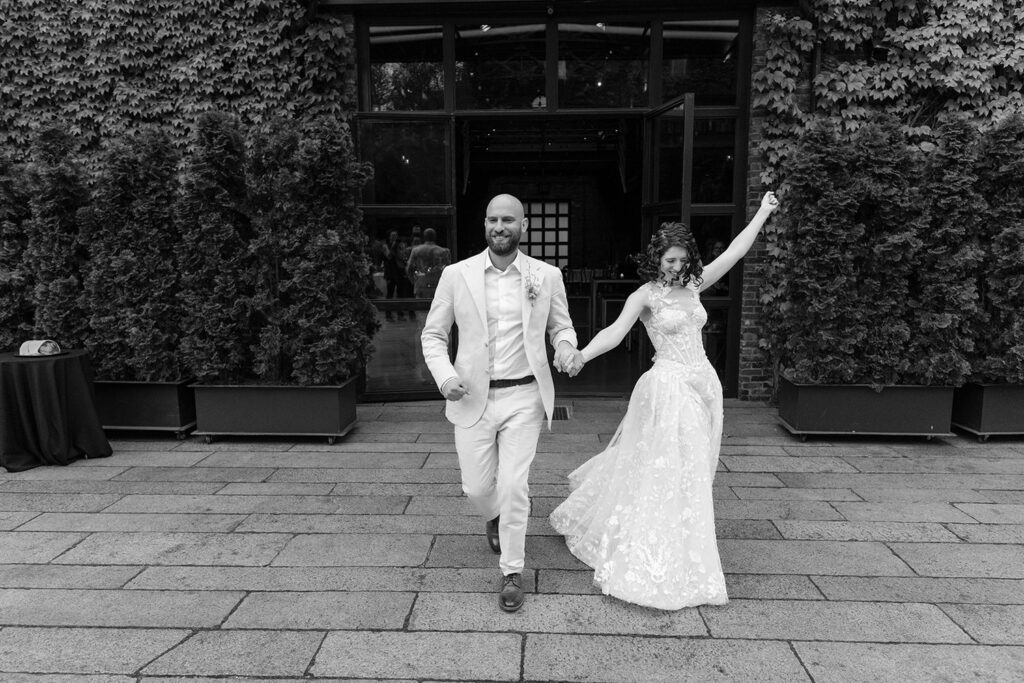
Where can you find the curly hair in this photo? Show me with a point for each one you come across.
(667, 236)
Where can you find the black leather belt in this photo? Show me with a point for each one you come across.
(504, 383)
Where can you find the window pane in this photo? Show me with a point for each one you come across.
(603, 65)
(408, 161)
(671, 136)
(714, 141)
(406, 71)
(700, 57)
(499, 67)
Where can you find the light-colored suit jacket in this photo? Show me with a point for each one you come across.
(460, 299)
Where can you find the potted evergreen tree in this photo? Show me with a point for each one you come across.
(131, 289)
(274, 266)
(865, 333)
(54, 254)
(992, 402)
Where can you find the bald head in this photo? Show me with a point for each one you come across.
(504, 224)
(506, 203)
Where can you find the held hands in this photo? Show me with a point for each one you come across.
(568, 359)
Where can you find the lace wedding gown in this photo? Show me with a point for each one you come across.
(640, 513)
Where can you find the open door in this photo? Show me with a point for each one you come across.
(667, 174)
(668, 163)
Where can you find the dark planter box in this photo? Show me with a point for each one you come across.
(806, 409)
(987, 409)
(150, 406)
(262, 410)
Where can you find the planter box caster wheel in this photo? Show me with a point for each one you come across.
(181, 436)
(983, 438)
(208, 438)
(331, 440)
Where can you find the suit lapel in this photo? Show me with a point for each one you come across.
(474, 275)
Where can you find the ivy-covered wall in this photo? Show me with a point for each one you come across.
(104, 67)
(841, 62)
(920, 61)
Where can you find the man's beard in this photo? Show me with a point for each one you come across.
(512, 244)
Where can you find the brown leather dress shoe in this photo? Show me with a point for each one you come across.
(511, 597)
(492, 535)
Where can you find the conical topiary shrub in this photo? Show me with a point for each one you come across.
(314, 319)
(54, 253)
(943, 296)
(131, 280)
(216, 266)
(1000, 339)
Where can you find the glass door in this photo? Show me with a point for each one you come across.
(668, 164)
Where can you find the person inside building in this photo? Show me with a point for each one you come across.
(396, 254)
(426, 261)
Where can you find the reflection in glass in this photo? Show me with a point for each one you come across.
(408, 161)
(499, 67)
(714, 141)
(407, 256)
(603, 65)
(406, 68)
(671, 137)
(700, 57)
(426, 261)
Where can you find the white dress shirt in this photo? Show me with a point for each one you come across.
(504, 295)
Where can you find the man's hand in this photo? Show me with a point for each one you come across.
(576, 364)
(568, 359)
(454, 389)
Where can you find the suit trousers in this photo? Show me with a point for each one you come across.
(494, 458)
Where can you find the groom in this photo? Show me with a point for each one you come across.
(500, 389)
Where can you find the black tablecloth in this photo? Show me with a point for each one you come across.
(48, 411)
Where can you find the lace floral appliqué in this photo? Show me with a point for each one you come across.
(641, 512)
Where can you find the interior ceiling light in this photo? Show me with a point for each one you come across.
(485, 27)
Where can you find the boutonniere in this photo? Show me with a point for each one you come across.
(531, 281)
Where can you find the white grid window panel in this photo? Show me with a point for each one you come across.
(547, 237)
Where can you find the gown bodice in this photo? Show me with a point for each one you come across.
(675, 323)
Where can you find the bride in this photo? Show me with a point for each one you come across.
(640, 512)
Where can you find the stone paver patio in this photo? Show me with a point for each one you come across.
(260, 560)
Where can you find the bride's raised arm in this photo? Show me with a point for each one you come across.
(714, 271)
(611, 336)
